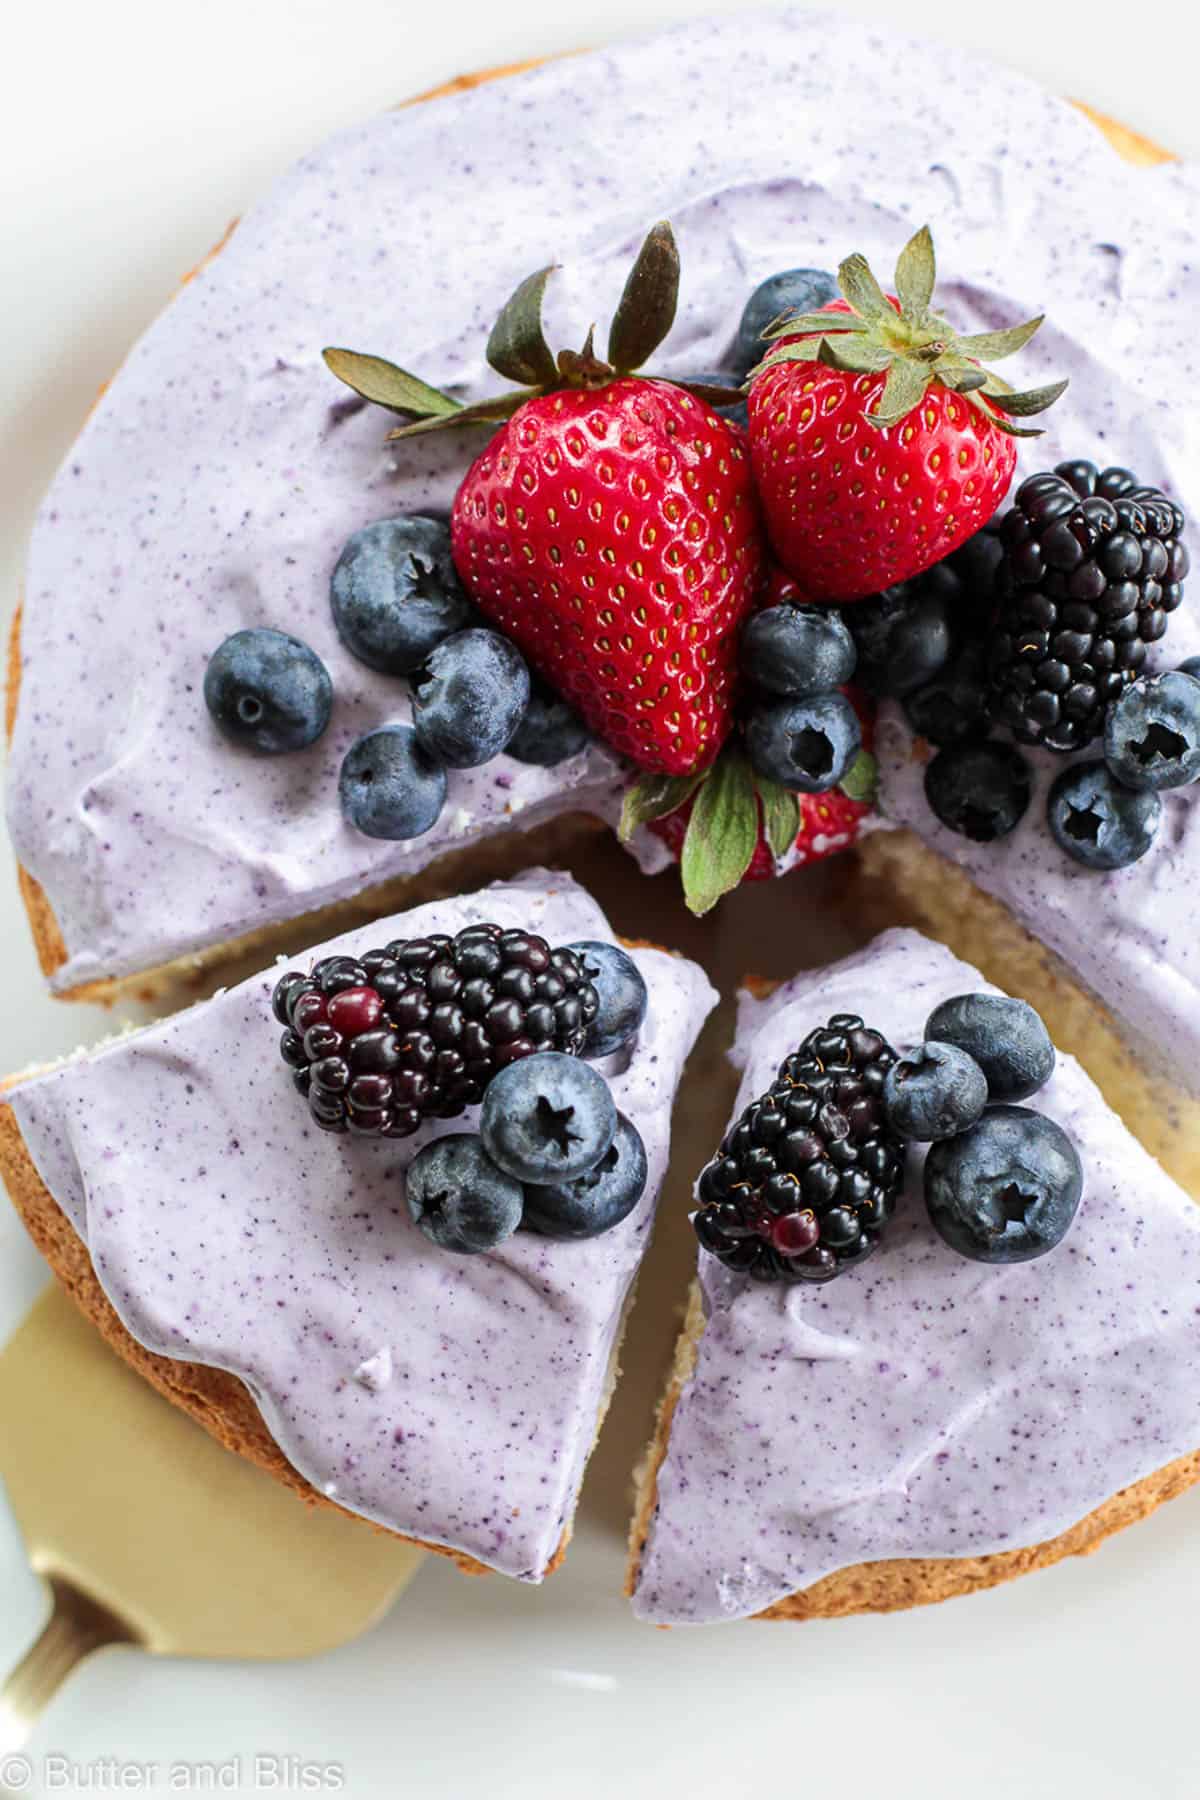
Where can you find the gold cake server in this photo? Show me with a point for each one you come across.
(147, 1532)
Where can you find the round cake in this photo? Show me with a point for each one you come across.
(384, 576)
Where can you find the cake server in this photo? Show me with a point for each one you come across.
(148, 1533)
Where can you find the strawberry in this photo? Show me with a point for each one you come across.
(610, 527)
(731, 824)
(828, 823)
(879, 441)
(614, 536)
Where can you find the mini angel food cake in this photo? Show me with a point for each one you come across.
(947, 1317)
(395, 1301)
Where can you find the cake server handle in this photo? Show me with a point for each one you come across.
(77, 1626)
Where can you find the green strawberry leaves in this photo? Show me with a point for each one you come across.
(517, 347)
(913, 345)
(721, 833)
(653, 797)
(518, 350)
(861, 780)
(646, 310)
(486, 412)
(387, 385)
(916, 275)
(780, 815)
(732, 804)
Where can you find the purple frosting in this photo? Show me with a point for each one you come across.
(923, 1405)
(451, 1398)
(216, 481)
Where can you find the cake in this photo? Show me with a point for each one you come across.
(238, 519)
(269, 1279)
(924, 1425)
(771, 569)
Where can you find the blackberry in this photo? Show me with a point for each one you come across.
(1093, 567)
(417, 1029)
(805, 1181)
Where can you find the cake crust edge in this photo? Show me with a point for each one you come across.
(896, 1584)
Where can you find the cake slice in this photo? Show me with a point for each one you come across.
(924, 1424)
(270, 1278)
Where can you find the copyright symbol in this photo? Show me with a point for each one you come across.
(16, 1774)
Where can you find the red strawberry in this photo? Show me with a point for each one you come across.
(614, 536)
(879, 441)
(731, 824)
(828, 823)
(610, 528)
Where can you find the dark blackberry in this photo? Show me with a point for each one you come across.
(417, 1029)
(805, 1181)
(1093, 567)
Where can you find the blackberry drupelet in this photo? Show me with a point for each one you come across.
(805, 1181)
(417, 1029)
(1093, 567)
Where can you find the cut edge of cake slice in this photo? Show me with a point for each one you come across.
(884, 1584)
(222, 1399)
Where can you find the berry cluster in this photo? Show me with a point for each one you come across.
(801, 730)
(1002, 1182)
(425, 1027)
(1093, 566)
(805, 1181)
(1106, 812)
(399, 608)
(1078, 579)
(417, 1029)
(552, 1155)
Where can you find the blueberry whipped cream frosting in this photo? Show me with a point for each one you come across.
(452, 1398)
(924, 1404)
(217, 481)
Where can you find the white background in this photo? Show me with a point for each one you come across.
(131, 131)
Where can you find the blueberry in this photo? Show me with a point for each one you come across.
(1006, 1038)
(1152, 732)
(389, 787)
(547, 1118)
(549, 730)
(807, 745)
(622, 992)
(937, 1091)
(1191, 667)
(395, 594)
(952, 708)
(1098, 821)
(469, 697)
(979, 790)
(267, 691)
(458, 1196)
(597, 1201)
(797, 651)
(903, 637)
(1006, 1190)
(737, 409)
(792, 290)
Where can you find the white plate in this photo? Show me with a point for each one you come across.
(130, 135)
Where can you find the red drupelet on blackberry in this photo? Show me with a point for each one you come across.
(805, 1181)
(1093, 567)
(417, 1029)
